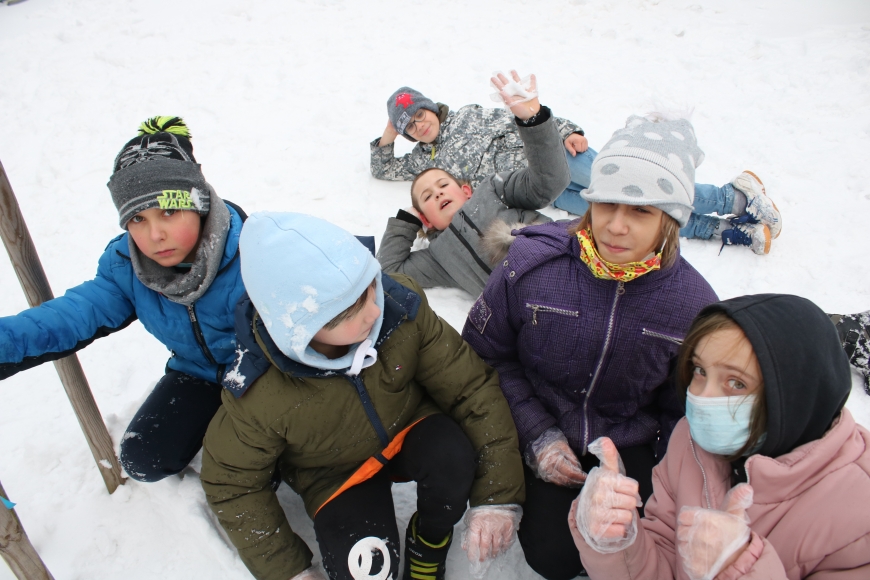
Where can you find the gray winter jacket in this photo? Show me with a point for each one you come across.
(473, 143)
(457, 257)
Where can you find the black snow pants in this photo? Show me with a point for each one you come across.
(439, 457)
(167, 430)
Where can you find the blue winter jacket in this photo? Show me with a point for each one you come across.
(200, 337)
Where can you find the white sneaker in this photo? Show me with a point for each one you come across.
(758, 206)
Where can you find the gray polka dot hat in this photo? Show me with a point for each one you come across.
(648, 163)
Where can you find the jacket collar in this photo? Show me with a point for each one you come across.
(252, 361)
(231, 248)
(538, 244)
(778, 479)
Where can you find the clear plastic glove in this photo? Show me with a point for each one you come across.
(312, 573)
(605, 514)
(552, 459)
(708, 541)
(518, 95)
(489, 531)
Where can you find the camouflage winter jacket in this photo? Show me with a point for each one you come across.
(314, 425)
(473, 143)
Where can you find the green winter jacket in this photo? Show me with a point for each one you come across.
(313, 425)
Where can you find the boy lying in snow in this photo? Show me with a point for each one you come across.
(468, 227)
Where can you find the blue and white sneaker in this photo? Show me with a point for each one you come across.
(759, 207)
(745, 233)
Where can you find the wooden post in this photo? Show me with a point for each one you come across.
(16, 549)
(33, 281)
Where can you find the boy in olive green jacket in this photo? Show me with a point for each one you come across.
(345, 380)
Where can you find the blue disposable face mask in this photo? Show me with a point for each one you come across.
(720, 425)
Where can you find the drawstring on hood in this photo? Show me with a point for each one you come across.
(364, 357)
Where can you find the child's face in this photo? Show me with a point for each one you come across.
(426, 128)
(349, 331)
(439, 198)
(167, 236)
(626, 233)
(724, 365)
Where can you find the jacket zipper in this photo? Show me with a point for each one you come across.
(620, 290)
(197, 333)
(483, 265)
(674, 339)
(543, 308)
(703, 473)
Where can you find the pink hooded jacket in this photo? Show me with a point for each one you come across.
(810, 517)
(811, 476)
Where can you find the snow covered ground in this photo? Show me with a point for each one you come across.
(283, 98)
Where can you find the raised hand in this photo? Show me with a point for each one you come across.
(605, 513)
(389, 135)
(522, 100)
(709, 541)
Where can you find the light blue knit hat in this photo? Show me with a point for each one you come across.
(648, 163)
(301, 272)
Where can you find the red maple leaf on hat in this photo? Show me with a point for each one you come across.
(405, 100)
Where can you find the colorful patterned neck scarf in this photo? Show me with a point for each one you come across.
(605, 270)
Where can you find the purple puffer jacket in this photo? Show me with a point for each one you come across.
(591, 357)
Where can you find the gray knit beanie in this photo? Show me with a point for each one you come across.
(157, 169)
(403, 104)
(648, 163)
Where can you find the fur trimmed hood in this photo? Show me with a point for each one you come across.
(499, 236)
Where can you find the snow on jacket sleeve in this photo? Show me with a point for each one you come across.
(464, 387)
(547, 175)
(61, 326)
(238, 463)
(384, 164)
(396, 257)
(491, 331)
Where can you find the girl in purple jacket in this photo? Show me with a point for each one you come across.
(583, 322)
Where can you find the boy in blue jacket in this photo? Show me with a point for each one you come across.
(176, 269)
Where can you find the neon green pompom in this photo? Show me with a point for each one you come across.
(162, 124)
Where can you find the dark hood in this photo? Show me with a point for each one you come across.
(806, 373)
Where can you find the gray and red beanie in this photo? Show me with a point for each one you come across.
(157, 169)
(403, 105)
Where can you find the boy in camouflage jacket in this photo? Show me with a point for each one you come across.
(471, 143)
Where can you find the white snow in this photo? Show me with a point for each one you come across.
(282, 99)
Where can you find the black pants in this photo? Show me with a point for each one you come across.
(168, 428)
(438, 456)
(544, 534)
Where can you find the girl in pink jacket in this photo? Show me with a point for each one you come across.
(767, 477)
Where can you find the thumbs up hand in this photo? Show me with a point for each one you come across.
(605, 513)
(709, 541)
